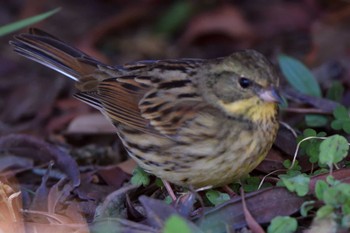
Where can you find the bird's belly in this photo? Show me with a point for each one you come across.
(209, 162)
(240, 157)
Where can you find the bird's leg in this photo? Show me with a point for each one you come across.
(169, 189)
(229, 191)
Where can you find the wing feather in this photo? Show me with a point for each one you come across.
(148, 108)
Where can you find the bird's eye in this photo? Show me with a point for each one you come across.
(244, 82)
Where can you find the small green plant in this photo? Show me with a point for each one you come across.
(140, 177)
(295, 181)
(283, 224)
(251, 184)
(342, 119)
(336, 198)
(311, 147)
(215, 197)
(336, 91)
(306, 207)
(176, 224)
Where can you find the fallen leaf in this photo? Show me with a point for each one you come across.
(273, 161)
(114, 204)
(91, 123)
(27, 146)
(127, 166)
(286, 140)
(324, 104)
(264, 206)
(158, 212)
(113, 176)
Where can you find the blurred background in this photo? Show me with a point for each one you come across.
(34, 100)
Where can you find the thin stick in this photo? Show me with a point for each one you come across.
(307, 110)
(169, 189)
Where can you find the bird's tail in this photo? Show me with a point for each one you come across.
(50, 51)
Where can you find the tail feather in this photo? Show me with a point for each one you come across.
(45, 49)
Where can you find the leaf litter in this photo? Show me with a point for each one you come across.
(50, 179)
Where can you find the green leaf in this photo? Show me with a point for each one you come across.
(176, 224)
(320, 188)
(324, 211)
(236, 186)
(299, 76)
(309, 133)
(345, 208)
(216, 197)
(345, 188)
(336, 91)
(312, 146)
(168, 200)
(342, 119)
(336, 196)
(140, 177)
(333, 150)
(159, 183)
(252, 183)
(320, 171)
(306, 207)
(337, 124)
(282, 224)
(313, 150)
(4, 30)
(298, 183)
(313, 120)
(287, 163)
(340, 112)
(175, 17)
(346, 126)
(102, 225)
(332, 181)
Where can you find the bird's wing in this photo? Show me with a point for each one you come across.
(149, 104)
(151, 96)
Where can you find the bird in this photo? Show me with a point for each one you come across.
(191, 122)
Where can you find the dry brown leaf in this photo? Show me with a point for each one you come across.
(128, 166)
(41, 152)
(264, 206)
(273, 161)
(91, 123)
(113, 176)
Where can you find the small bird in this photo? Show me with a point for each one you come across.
(192, 122)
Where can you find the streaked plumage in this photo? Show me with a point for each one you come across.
(188, 121)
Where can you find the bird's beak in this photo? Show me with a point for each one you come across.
(271, 95)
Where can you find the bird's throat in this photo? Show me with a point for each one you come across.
(252, 109)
